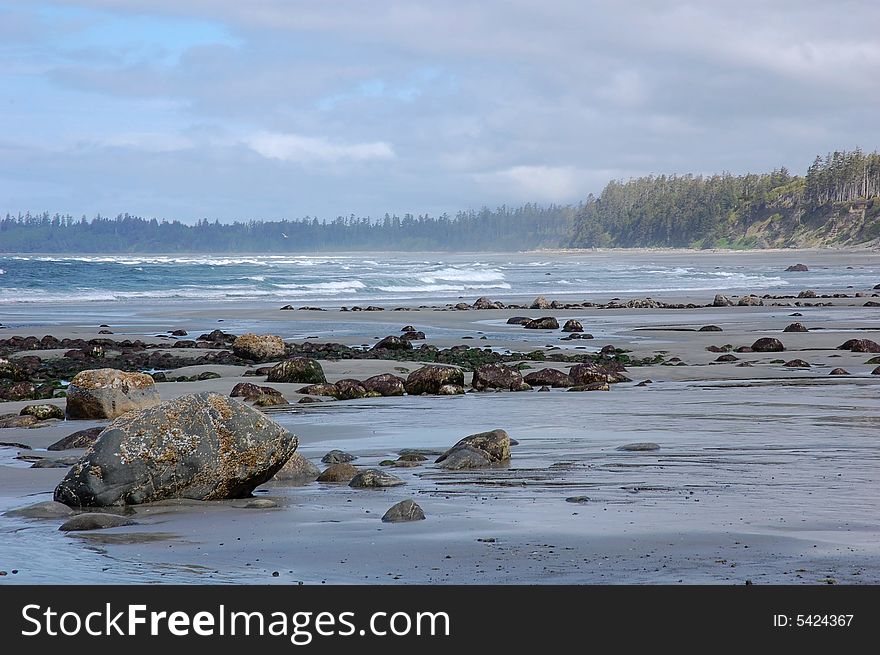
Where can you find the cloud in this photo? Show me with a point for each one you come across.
(541, 183)
(303, 149)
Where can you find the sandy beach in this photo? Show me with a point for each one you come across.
(765, 473)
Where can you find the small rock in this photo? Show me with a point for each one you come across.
(405, 510)
(95, 521)
(338, 473)
(297, 469)
(795, 327)
(374, 479)
(260, 503)
(578, 500)
(839, 371)
(642, 446)
(710, 328)
(338, 457)
(797, 268)
(45, 510)
(797, 363)
(43, 412)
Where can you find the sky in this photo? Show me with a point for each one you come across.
(189, 109)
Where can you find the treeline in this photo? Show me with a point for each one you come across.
(835, 203)
(504, 228)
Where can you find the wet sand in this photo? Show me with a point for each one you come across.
(764, 473)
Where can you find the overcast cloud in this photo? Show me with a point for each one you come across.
(280, 108)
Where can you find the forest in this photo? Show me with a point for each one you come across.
(835, 203)
(502, 229)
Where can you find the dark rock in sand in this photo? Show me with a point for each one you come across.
(297, 469)
(750, 301)
(324, 389)
(767, 345)
(412, 457)
(416, 335)
(744, 349)
(374, 479)
(43, 412)
(297, 369)
(307, 400)
(544, 388)
(498, 376)
(544, 323)
(589, 373)
(393, 342)
(202, 446)
(727, 358)
(338, 473)
(572, 325)
(477, 450)
(710, 328)
(717, 349)
(797, 268)
(578, 500)
(645, 383)
(485, 303)
(860, 346)
(108, 393)
(408, 328)
(876, 371)
(722, 301)
(429, 379)
(797, 363)
(518, 320)
(548, 377)
(807, 294)
(177, 333)
(248, 390)
(839, 371)
(405, 510)
(95, 521)
(268, 400)
(350, 389)
(80, 439)
(55, 462)
(338, 457)
(795, 327)
(385, 384)
(45, 510)
(258, 348)
(642, 446)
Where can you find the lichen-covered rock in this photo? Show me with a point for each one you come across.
(342, 472)
(477, 450)
(374, 479)
(108, 393)
(429, 379)
(268, 400)
(768, 345)
(297, 369)
(43, 412)
(543, 323)
(572, 325)
(405, 510)
(79, 439)
(258, 347)
(498, 376)
(393, 342)
(201, 446)
(297, 470)
(550, 377)
(385, 384)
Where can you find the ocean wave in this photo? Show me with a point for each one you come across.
(461, 275)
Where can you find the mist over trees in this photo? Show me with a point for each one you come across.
(504, 228)
(837, 202)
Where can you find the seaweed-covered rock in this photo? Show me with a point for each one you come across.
(429, 379)
(477, 450)
(550, 377)
(543, 323)
(258, 347)
(393, 342)
(590, 372)
(108, 393)
(201, 446)
(498, 376)
(297, 369)
(349, 389)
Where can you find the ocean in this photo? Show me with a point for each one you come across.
(334, 280)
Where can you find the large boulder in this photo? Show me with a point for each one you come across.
(108, 393)
(750, 301)
(485, 303)
(258, 347)
(477, 450)
(572, 325)
(350, 389)
(549, 377)
(543, 323)
(385, 384)
(722, 301)
(591, 373)
(429, 379)
(342, 472)
(860, 346)
(297, 369)
(768, 345)
(202, 446)
(498, 376)
(540, 303)
(393, 342)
